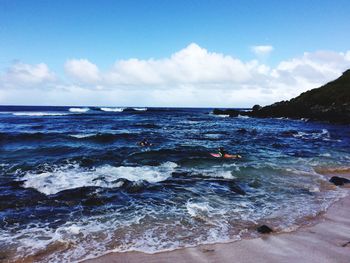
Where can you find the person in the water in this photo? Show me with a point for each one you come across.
(145, 143)
(222, 152)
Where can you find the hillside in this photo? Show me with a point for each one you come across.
(330, 102)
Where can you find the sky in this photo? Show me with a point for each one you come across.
(194, 53)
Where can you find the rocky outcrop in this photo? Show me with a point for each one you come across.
(339, 180)
(330, 102)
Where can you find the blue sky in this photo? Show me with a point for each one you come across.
(105, 32)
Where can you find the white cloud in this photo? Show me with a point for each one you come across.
(263, 50)
(21, 75)
(82, 70)
(191, 65)
(192, 76)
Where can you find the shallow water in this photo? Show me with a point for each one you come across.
(75, 184)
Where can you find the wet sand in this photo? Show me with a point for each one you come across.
(326, 241)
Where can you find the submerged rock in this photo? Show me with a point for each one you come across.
(235, 188)
(264, 229)
(339, 180)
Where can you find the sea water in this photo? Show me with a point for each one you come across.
(75, 184)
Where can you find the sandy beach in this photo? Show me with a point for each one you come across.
(326, 241)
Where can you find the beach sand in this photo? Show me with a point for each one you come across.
(326, 241)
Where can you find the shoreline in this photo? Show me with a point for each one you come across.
(327, 240)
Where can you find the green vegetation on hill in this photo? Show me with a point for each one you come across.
(330, 102)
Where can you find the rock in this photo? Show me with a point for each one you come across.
(230, 112)
(256, 107)
(289, 133)
(339, 180)
(242, 130)
(218, 112)
(330, 102)
(264, 229)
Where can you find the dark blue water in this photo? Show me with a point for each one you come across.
(75, 184)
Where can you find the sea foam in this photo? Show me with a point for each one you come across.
(73, 176)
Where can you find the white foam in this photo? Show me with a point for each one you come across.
(38, 114)
(242, 116)
(112, 109)
(147, 230)
(73, 176)
(324, 134)
(79, 110)
(218, 172)
(198, 209)
(220, 115)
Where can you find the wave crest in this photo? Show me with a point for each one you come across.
(79, 110)
(73, 176)
(112, 109)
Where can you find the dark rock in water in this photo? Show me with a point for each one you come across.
(339, 180)
(86, 162)
(289, 133)
(242, 130)
(264, 229)
(235, 188)
(330, 102)
(278, 145)
(230, 112)
(180, 174)
(74, 194)
(137, 187)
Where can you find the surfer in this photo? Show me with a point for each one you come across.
(223, 154)
(145, 143)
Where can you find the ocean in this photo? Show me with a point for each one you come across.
(75, 184)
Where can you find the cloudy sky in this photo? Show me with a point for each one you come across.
(169, 53)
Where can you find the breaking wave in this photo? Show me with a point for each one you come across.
(79, 110)
(112, 109)
(73, 176)
(140, 109)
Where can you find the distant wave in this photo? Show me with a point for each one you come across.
(112, 109)
(242, 116)
(79, 110)
(140, 109)
(220, 115)
(103, 137)
(38, 114)
(80, 136)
